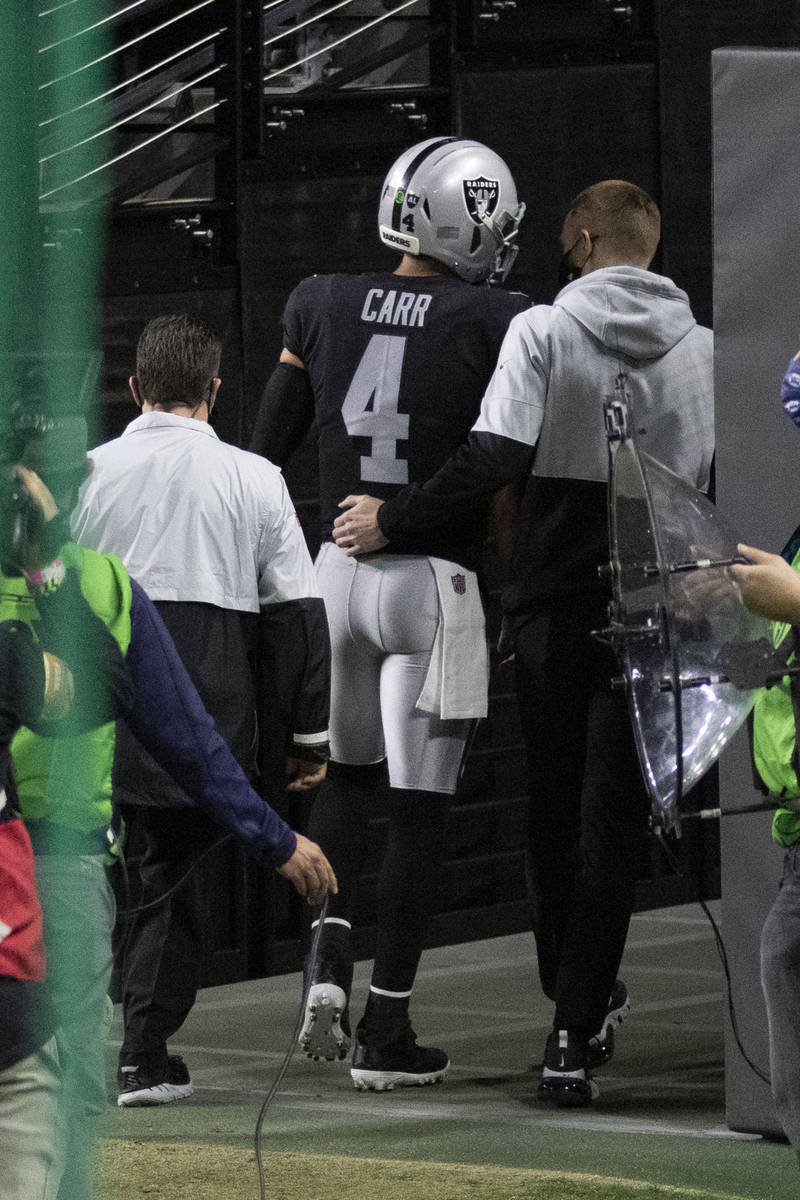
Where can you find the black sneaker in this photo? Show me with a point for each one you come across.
(565, 1075)
(140, 1086)
(600, 1048)
(401, 1064)
(326, 1023)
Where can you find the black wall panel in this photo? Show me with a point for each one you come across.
(289, 229)
(123, 318)
(559, 131)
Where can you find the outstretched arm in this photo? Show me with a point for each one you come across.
(170, 720)
(484, 464)
(498, 450)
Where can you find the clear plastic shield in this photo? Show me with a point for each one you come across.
(692, 655)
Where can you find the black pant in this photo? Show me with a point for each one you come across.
(162, 949)
(588, 805)
(410, 872)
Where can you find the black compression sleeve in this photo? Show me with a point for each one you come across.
(284, 415)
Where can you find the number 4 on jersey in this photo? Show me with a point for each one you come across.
(370, 409)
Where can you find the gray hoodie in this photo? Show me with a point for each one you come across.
(543, 414)
(558, 364)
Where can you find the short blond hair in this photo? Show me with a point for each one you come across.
(624, 215)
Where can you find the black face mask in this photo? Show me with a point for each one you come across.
(567, 271)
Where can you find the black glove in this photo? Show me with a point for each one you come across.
(21, 672)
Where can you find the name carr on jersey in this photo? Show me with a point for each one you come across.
(395, 308)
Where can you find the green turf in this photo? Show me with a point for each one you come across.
(165, 1171)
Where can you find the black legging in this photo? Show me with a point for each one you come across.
(410, 873)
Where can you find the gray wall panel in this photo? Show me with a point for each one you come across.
(756, 101)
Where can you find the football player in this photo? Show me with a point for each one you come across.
(542, 421)
(391, 367)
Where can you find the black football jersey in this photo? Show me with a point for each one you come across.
(398, 366)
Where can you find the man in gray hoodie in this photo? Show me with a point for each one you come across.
(542, 419)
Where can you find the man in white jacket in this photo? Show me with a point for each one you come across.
(542, 418)
(210, 533)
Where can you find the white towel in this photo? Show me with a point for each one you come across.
(457, 683)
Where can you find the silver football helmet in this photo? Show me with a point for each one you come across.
(454, 200)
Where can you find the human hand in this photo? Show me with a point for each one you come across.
(506, 643)
(35, 508)
(357, 531)
(304, 774)
(309, 871)
(768, 586)
(37, 491)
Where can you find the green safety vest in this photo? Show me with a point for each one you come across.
(68, 780)
(774, 742)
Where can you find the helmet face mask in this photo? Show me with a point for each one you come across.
(504, 229)
(454, 200)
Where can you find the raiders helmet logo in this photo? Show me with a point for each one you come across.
(481, 197)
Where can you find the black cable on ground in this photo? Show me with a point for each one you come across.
(312, 962)
(723, 957)
(130, 912)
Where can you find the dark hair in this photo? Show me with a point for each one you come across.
(176, 359)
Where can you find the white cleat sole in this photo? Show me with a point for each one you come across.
(386, 1081)
(161, 1093)
(322, 1035)
(615, 1018)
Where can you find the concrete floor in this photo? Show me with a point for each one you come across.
(660, 1116)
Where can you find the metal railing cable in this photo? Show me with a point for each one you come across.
(138, 77)
(81, 141)
(174, 91)
(76, 33)
(340, 41)
(117, 158)
(129, 44)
